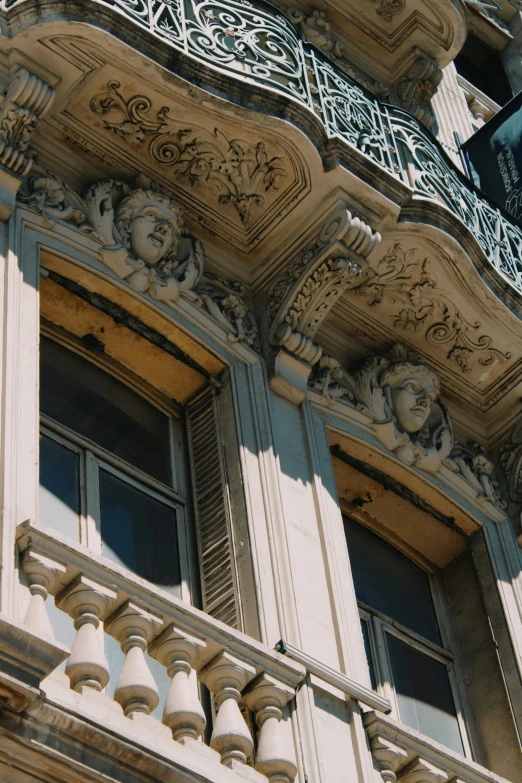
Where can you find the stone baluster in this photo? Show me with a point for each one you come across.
(388, 757)
(43, 574)
(267, 697)
(86, 602)
(134, 627)
(422, 771)
(226, 676)
(183, 713)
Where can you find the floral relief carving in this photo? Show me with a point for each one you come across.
(144, 240)
(406, 280)
(319, 292)
(241, 172)
(387, 9)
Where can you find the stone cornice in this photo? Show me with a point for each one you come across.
(294, 79)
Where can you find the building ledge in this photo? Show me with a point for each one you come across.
(406, 748)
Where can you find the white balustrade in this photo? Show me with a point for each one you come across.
(226, 676)
(43, 574)
(134, 627)
(86, 602)
(267, 697)
(183, 713)
(188, 643)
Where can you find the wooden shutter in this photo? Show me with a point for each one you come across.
(212, 510)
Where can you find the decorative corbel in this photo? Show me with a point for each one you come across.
(301, 299)
(416, 89)
(26, 100)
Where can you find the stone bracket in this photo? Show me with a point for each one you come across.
(26, 100)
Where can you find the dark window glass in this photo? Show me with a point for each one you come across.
(139, 532)
(59, 487)
(96, 405)
(368, 651)
(424, 694)
(389, 582)
(482, 66)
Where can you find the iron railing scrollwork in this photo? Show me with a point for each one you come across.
(256, 43)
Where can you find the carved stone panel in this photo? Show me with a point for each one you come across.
(235, 179)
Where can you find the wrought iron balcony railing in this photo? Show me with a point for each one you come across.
(255, 43)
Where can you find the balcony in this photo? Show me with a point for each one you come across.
(192, 647)
(254, 44)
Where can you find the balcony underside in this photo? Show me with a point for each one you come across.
(261, 138)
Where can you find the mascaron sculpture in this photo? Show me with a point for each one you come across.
(144, 241)
(401, 396)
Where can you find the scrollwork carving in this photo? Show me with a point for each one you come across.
(404, 278)
(144, 241)
(241, 172)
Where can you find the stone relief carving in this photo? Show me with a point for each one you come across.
(344, 232)
(400, 394)
(144, 241)
(511, 463)
(316, 28)
(404, 278)
(26, 100)
(417, 88)
(478, 470)
(241, 172)
(387, 9)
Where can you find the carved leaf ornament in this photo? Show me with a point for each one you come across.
(143, 240)
(406, 280)
(242, 172)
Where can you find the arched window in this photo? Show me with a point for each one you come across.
(408, 656)
(111, 467)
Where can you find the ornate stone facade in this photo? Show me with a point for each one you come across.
(260, 376)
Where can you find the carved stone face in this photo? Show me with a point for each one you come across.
(411, 396)
(152, 231)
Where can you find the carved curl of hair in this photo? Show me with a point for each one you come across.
(130, 208)
(396, 369)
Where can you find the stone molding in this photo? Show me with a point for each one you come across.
(26, 100)
(143, 240)
(402, 753)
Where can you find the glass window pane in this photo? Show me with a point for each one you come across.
(96, 405)
(424, 694)
(139, 532)
(59, 488)
(386, 580)
(368, 651)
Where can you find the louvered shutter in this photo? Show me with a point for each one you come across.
(212, 511)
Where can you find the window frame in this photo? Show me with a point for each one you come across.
(93, 458)
(379, 624)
